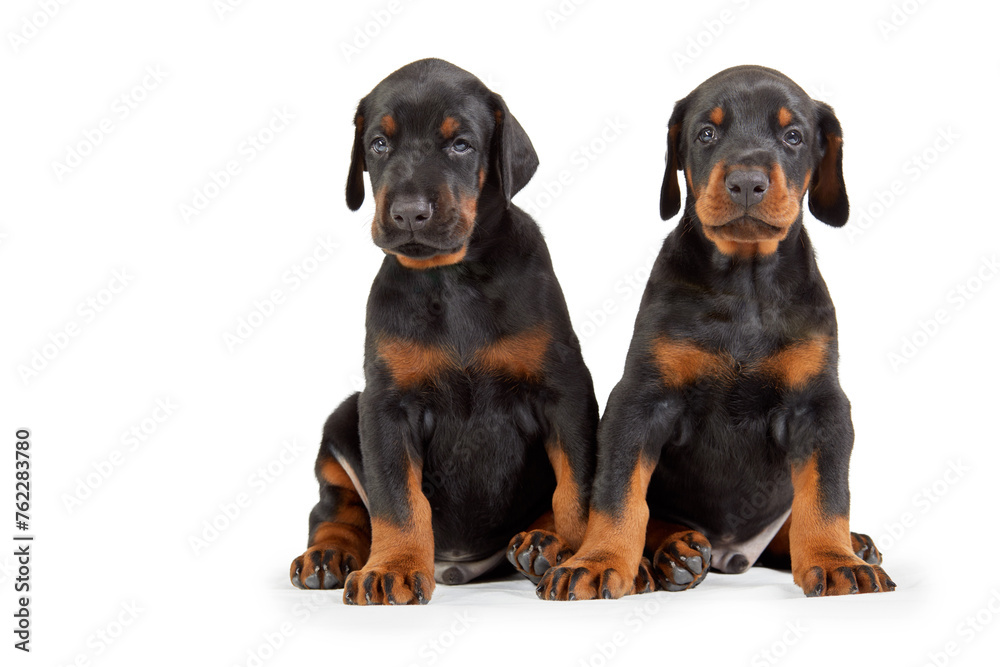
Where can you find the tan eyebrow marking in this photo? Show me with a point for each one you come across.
(388, 125)
(449, 127)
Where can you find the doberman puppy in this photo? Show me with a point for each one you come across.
(729, 435)
(478, 418)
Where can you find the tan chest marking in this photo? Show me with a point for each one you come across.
(795, 365)
(411, 363)
(520, 356)
(682, 363)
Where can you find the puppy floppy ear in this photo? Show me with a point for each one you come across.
(670, 191)
(356, 172)
(827, 191)
(513, 160)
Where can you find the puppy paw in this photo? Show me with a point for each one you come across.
(645, 581)
(840, 574)
(323, 567)
(682, 561)
(388, 585)
(590, 577)
(864, 548)
(532, 553)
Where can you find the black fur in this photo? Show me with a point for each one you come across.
(479, 437)
(724, 448)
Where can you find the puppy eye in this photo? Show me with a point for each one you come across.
(793, 138)
(707, 135)
(380, 146)
(461, 146)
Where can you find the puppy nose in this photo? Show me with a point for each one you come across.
(747, 186)
(411, 213)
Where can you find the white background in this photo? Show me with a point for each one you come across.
(605, 65)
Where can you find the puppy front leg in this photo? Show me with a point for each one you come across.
(400, 569)
(823, 554)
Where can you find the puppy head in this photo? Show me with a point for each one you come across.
(750, 144)
(433, 139)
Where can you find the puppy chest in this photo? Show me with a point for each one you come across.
(519, 357)
(682, 363)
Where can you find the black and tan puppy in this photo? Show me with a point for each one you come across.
(478, 417)
(728, 439)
